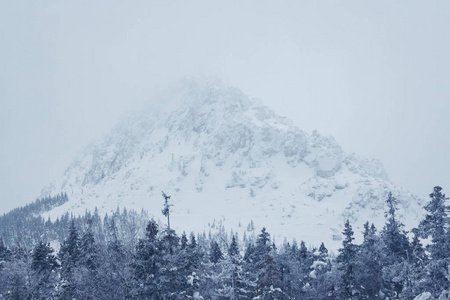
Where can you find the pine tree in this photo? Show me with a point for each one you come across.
(215, 254)
(286, 265)
(189, 263)
(265, 268)
(418, 255)
(397, 251)
(193, 241)
(89, 250)
(184, 241)
(233, 250)
(146, 264)
(394, 237)
(306, 259)
(418, 272)
(435, 225)
(231, 280)
(369, 261)
(69, 255)
(166, 209)
(323, 253)
(16, 275)
(44, 265)
(5, 253)
(89, 264)
(415, 271)
(303, 251)
(115, 270)
(43, 259)
(194, 255)
(346, 260)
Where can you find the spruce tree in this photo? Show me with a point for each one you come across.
(43, 259)
(44, 266)
(435, 225)
(369, 262)
(231, 280)
(5, 253)
(146, 265)
(233, 250)
(418, 255)
(116, 268)
(166, 209)
(346, 260)
(89, 264)
(89, 250)
(265, 268)
(323, 253)
(184, 241)
(69, 256)
(215, 254)
(394, 237)
(306, 259)
(289, 277)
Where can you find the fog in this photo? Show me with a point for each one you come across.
(373, 74)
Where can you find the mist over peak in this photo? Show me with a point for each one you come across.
(212, 146)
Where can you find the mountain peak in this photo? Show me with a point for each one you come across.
(224, 156)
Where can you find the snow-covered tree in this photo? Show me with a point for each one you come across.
(369, 261)
(323, 253)
(87, 272)
(69, 256)
(265, 268)
(394, 237)
(146, 265)
(435, 225)
(215, 254)
(348, 288)
(115, 269)
(44, 277)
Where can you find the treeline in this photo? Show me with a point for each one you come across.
(164, 265)
(25, 226)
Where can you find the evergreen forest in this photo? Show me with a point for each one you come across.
(127, 255)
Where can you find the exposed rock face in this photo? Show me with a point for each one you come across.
(226, 158)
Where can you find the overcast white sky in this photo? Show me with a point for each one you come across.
(373, 74)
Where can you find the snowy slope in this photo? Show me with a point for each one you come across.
(226, 159)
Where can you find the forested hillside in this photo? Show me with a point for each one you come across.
(121, 257)
(25, 226)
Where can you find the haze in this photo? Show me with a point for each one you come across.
(373, 74)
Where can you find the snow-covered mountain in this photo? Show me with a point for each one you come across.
(228, 160)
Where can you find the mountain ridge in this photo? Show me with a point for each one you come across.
(225, 157)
